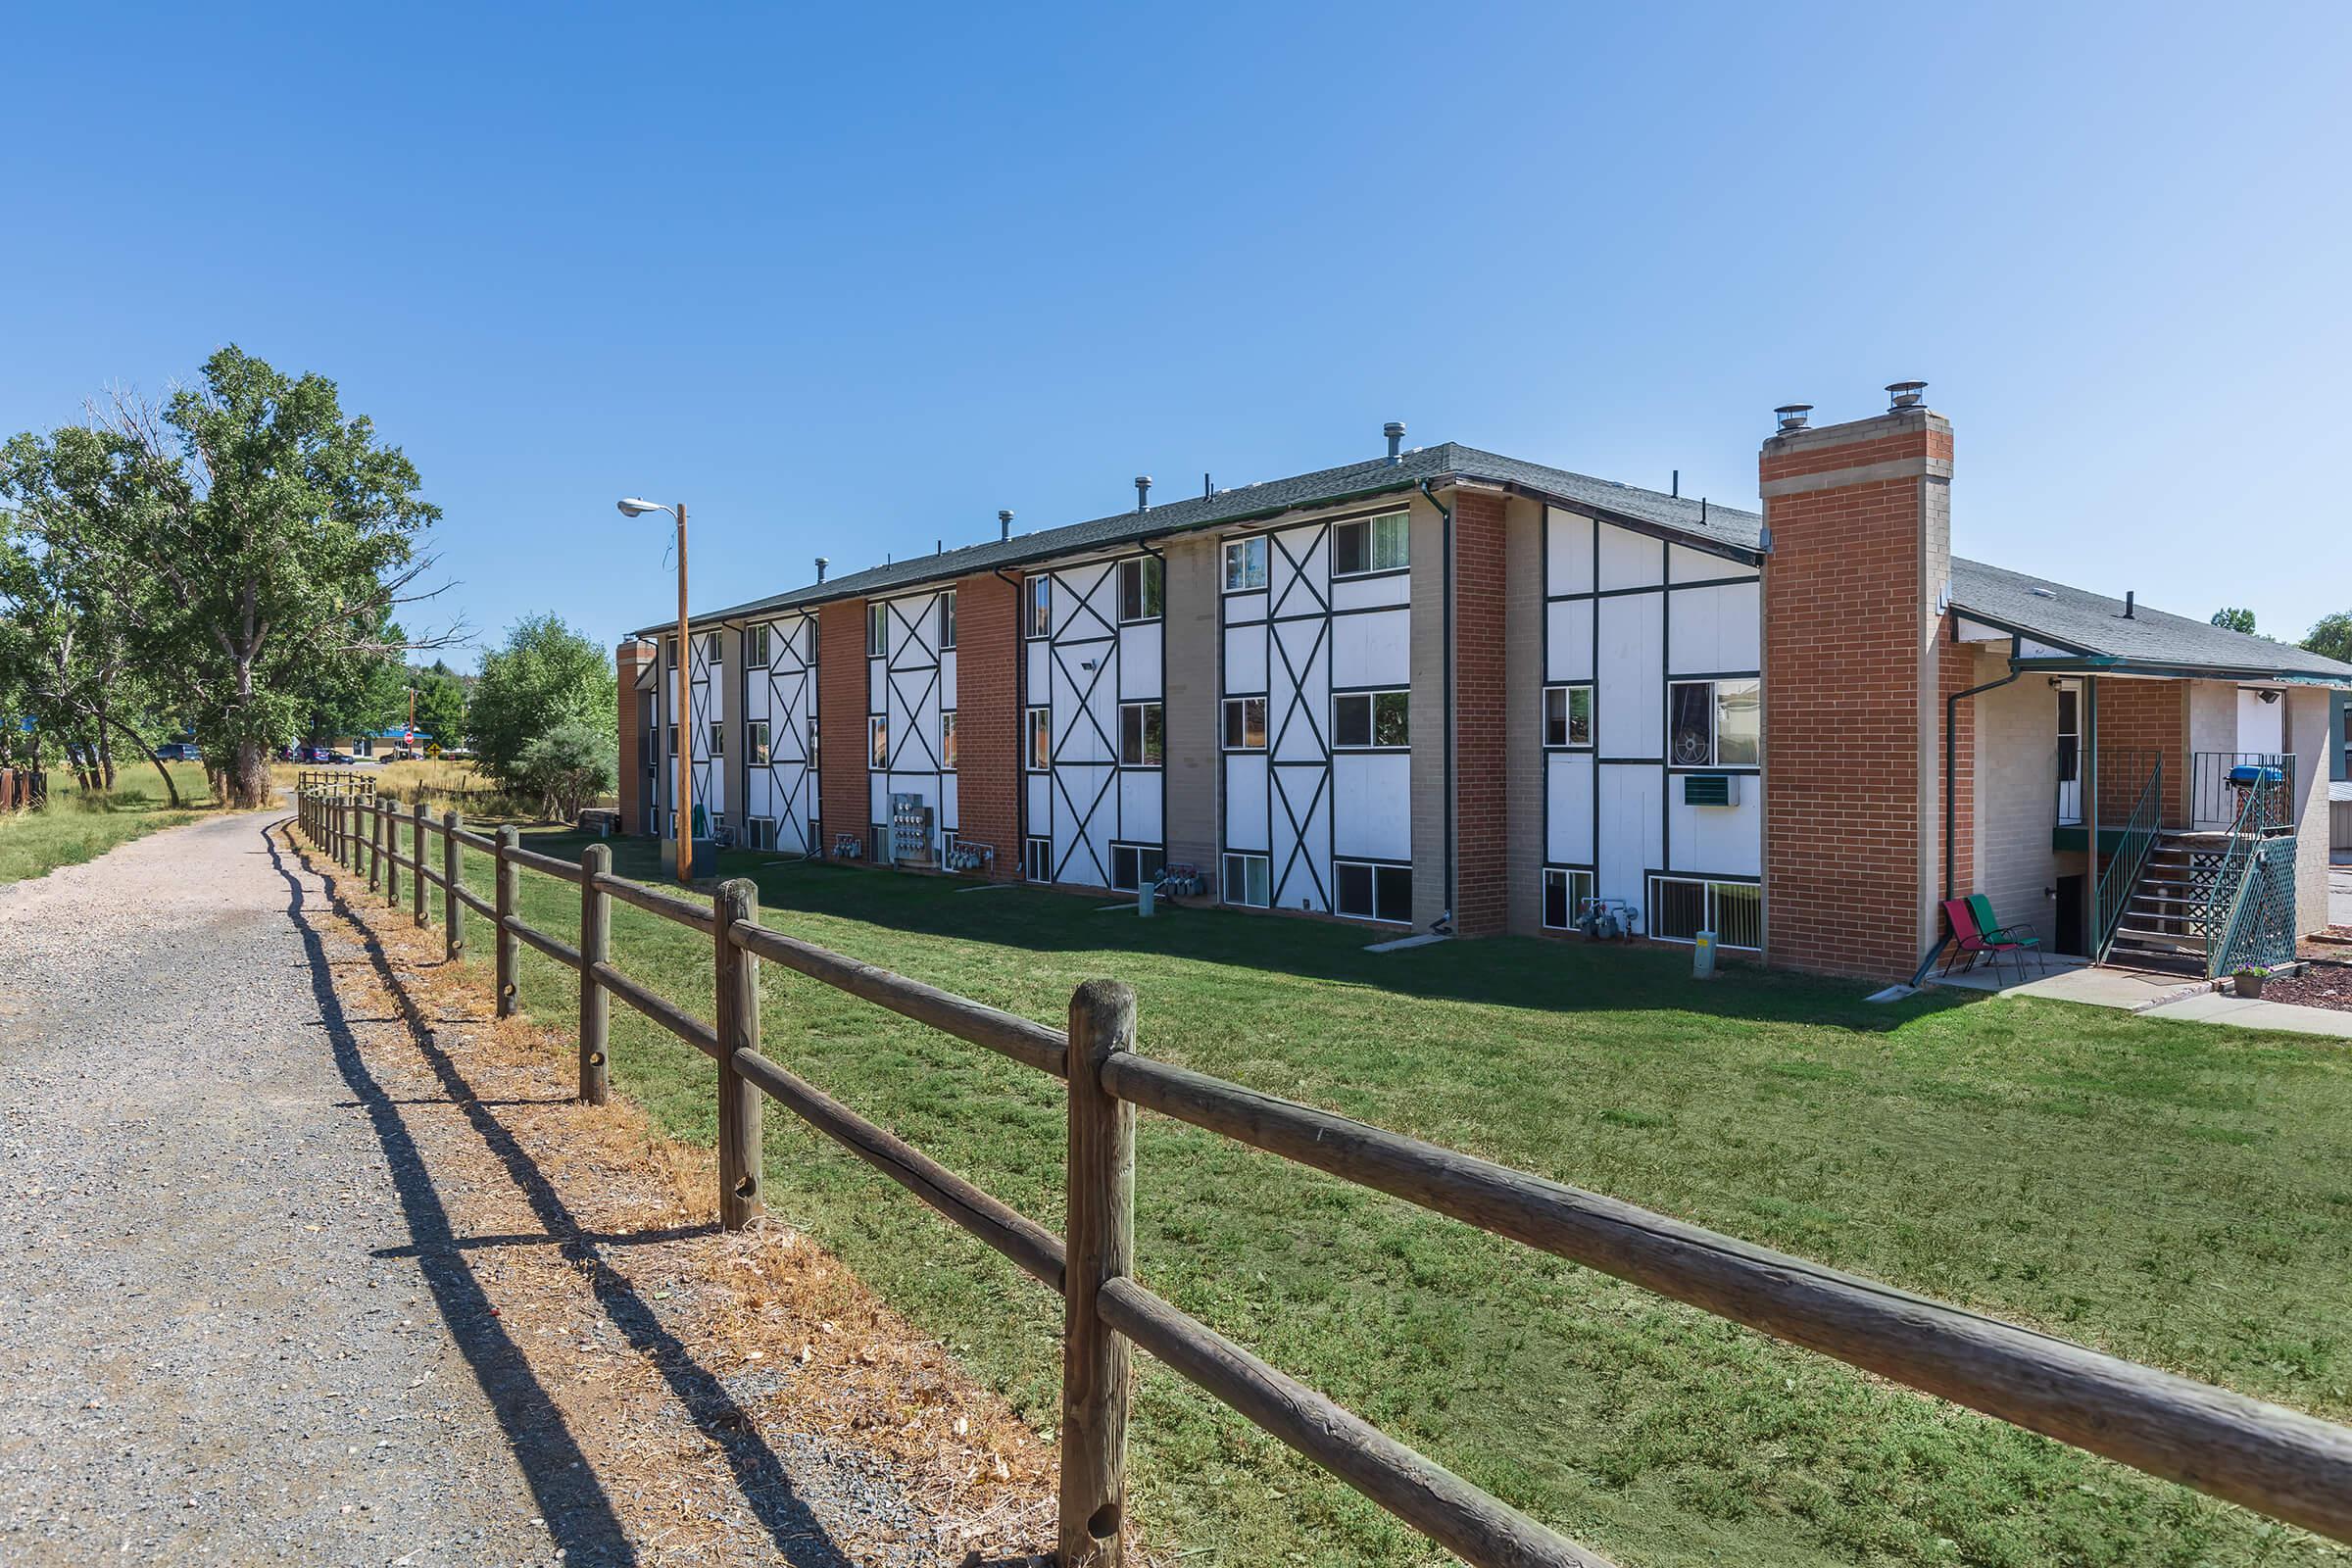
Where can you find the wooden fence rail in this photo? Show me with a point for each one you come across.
(2283, 1462)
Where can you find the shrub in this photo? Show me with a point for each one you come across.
(569, 767)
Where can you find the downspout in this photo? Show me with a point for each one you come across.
(1951, 769)
(1445, 554)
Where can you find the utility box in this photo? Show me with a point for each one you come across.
(910, 842)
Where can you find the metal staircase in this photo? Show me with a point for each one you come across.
(2164, 922)
(2207, 903)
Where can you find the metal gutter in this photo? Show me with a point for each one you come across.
(2119, 665)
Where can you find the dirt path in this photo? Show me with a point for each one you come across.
(312, 1263)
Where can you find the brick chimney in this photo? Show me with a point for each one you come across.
(629, 660)
(1858, 517)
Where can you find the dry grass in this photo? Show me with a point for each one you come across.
(807, 1350)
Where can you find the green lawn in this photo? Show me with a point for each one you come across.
(73, 827)
(2175, 1194)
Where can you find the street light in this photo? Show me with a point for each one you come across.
(631, 507)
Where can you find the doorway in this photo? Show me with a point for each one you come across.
(2071, 936)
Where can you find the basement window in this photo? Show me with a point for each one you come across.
(1568, 716)
(1680, 907)
(1364, 721)
(1037, 859)
(1715, 723)
(1371, 892)
(1140, 589)
(1249, 880)
(1566, 892)
(759, 833)
(1369, 545)
(1246, 564)
(1134, 864)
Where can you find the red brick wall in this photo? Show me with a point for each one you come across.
(1958, 673)
(1481, 777)
(1846, 656)
(629, 658)
(988, 718)
(844, 803)
(2142, 716)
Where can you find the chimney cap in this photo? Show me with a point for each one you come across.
(1905, 395)
(1792, 415)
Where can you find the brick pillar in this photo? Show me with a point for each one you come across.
(629, 658)
(987, 720)
(1860, 522)
(1481, 773)
(844, 803)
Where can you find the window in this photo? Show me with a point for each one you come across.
(812, 740)
(754, 741)
(1134, 864)
(669, 649)
(1037, 859)
(756, 647)
(1141, 743)
(1565, 894)
(1370, 543)
(1245, 723)
(1714, 724)
(672, 829)
(1568, 716)
(673, 740)
(877, 630)
(717, 648)
(719, 739)
(759, 833)
(1245, 564)
(1041, 739)
(1373, 891)
(947, 620)
(877, 739)
(1249, 880)
(1369, 721)
(1681, 907)
(947, 740)
(1037, 618)
(1139, 583)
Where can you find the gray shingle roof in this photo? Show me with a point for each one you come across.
(1703, 523)
(2094, 624)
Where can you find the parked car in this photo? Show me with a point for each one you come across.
(177, 752)
(408, 753)
(337, 759)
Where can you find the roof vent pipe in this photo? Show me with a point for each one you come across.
(821, 564)
(1004, 526)
(2131, 604)
(1206, 489)
(1677, 491)
(1395, 431)
(1143, 492)
(1901, 395)
(1792, 415)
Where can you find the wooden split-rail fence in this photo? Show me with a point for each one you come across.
(2283, 1462)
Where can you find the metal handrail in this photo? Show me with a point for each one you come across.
(2136, 842)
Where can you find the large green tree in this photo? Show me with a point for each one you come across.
(286, 536)
(2234, 619)
(441, 705)
(2332, 638)
(547, 675)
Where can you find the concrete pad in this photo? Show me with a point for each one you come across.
(1401, 943)
(2073, 980)
(2213, 1006)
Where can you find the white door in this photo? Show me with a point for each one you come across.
(2260, 725)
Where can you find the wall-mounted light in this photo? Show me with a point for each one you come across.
(2270, 697)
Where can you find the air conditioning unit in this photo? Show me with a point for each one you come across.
(1710, 788)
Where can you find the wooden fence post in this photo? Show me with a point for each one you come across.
(342, 830)
(739, 1101)
(417, 883)
(376, 845)
(509, 945)
(596, 947)
(392, 854)
(1100, 1245)
(452, 870)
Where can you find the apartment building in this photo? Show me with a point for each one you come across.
(1444, 689)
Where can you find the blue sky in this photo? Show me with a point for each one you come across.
(849, 281)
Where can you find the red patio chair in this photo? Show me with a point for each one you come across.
(1969, 937)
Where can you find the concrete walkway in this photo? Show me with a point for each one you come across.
(2214, 1007)
(2154, 993)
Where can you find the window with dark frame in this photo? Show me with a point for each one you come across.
(1134, 864)
(1370, 543)
(756, 647)
(1143, 741)
(1247, 880)
(1370, 892)
(717, 651)
(754, 741)
(1037, 859)
(1245, 723)
(812, 741)
(947, 740)
(877, 736)
(877, 630)
(669, 649)
(947, 620)
(1041, 740)
(1141, 588)
(1038, 614)
(1568, 714)
(717, 741)
(673, 740)
(1565, 893)
(1362, 722)
(1715, 723)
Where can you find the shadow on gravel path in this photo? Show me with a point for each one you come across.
(579, 1514)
